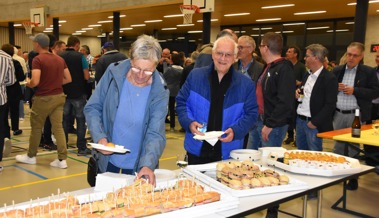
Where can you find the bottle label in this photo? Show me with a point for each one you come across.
(356, 133)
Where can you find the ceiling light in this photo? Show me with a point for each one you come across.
(237, 14)
(349, 23)
(152, 21)
(195, 31)
(161, 40)
(354, 3)
(191, 40)
(80, 31)
(76, 34)
(212, 20)
(256, 35)
(173, 15)
(293, 24)
(48, 28)
(121, 15)
(318, 28)
(105, 21)
(278, 6)
(87, 28)
(340, 30)
(309, 12)
(47, 31)
(285, 31)
(169, 28)
(94, 25)
(263, 28)
(377, 10)
(101, 36)
(138, 25)
(268, 19)
(188, 24)
(53, 25)
(242, 31)
(62, 21)
(126, 28)
(181, 37)
(169, 39)
(17, 24)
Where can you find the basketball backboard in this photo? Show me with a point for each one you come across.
(38, 15)
(204, 5)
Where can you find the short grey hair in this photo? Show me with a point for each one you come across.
(318, 51)
(250, 40)
(146, 48)
(225, 38)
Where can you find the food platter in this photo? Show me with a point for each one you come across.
(116, 149)
(99, 199)
(318, 168)
(207, 174)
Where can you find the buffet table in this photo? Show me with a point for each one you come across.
(315, 183)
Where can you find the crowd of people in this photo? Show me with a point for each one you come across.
(255, 98)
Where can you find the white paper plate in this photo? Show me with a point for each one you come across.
(277, 151)
(164, 175)
(209, 135)
(117, 148)
(245, 154)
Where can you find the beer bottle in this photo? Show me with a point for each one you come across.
(356, 125)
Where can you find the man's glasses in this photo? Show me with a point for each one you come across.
(240, 47)
(226, 55)
(138, 70)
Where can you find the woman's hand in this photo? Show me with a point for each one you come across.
(104, 141)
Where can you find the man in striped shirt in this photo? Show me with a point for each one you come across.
(7, 78)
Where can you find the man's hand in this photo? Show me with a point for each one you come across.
(348, 90)
(229, 135)
(193, 128)
(311, 126)
(265, 132)
(147, 173)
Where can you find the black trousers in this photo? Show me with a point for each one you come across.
(14, 110)
(171, 108)
(3, 127)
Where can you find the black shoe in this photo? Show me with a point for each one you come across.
(84, 152)
(17, 132)
(272, 213)
(288, 141)
(167, 121)
(72, 130)
(50, 146)
(182, 130)
(352, 184)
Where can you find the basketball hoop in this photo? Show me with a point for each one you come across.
(29, 27)
(188, 11)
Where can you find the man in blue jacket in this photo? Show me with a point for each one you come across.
(221, 97)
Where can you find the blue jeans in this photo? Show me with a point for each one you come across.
(275, 138)
(306, 138)
(76, 105)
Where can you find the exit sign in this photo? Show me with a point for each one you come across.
(374, 48)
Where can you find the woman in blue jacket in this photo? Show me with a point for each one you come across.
(128, 108)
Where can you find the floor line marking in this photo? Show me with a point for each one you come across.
(42, 181)
(30, 172)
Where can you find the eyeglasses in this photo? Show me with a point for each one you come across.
(138, 70)
(226, 55)
(240, 47)
(353, 55)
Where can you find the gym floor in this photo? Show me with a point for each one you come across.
(22, 182)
